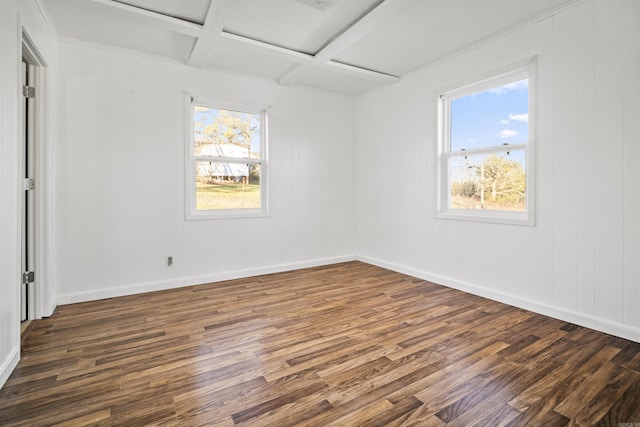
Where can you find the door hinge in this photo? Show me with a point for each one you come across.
(28, 277)
(28, 91)
(29, 184)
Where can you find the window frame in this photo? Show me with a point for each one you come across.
(522, 70)
(191, 159)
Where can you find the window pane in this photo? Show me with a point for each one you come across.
(491, 118)
(488, 181)
(227, 186)
(226, 133)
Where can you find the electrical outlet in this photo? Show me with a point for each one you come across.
(169, 261)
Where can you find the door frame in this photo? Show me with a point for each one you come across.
(31, 55)
(27, 196)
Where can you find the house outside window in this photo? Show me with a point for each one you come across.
(226, 160)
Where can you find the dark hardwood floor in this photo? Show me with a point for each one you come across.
(347, 344)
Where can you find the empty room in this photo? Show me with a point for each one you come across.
(320, 212)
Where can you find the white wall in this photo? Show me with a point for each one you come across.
(15, 17)
(581, 262)
(9, 195)
(121, 178)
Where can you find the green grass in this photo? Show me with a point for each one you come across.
(461, 202)
(227, 195)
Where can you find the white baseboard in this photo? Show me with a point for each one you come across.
(9, 365)
(74, 297)
(50, 308)
(592, 322)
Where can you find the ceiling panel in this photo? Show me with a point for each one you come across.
(98, 23)
(300, 25)
(427, 30)
(187, 10)
(233, 56)
(328, 80)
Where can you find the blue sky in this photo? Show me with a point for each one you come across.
(492, 117)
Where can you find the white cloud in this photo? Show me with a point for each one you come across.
(500, 90)
(517, 85)
(519, 117)
(504, 122)
(507, 133)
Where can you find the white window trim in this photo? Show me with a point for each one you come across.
(518, 71)
(191, 213)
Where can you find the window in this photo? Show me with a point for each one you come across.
(486, 141)
(226, 160)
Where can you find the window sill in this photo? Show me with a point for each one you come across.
(227, 214)
(489, 216)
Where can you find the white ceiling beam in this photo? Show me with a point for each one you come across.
(157, 19)
(309, 60)
(213, 24)
(372, 75)
(208, 34)
(269, 49)
(361, 28)
(351, 35)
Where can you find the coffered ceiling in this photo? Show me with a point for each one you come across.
(346, 46)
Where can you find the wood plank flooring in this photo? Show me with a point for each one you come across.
(341, 345)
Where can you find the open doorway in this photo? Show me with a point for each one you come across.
(27, 299)
(30, 146)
